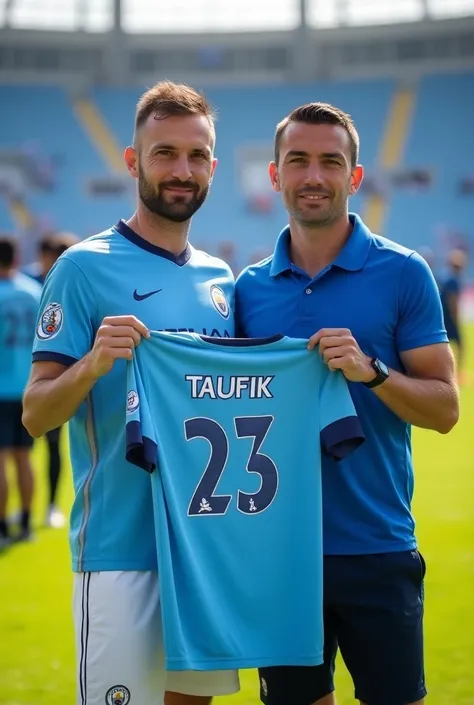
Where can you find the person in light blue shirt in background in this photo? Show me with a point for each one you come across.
(19, 301)
(372, 309)
(50, 248)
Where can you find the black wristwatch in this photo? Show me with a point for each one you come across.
(382, 373)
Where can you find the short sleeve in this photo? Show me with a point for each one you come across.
(64, 328)
(420, 314)
(340, 429)
(141, 447)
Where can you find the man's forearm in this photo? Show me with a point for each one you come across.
(427, 403)
(49, 403)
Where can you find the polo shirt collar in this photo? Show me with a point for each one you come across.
(281, 256)
(352, 256)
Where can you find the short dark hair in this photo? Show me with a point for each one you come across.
(166, 99)
(46, 244)
(8, 250)
(320, 114)
(56, 243)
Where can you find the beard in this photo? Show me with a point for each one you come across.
(178, 208)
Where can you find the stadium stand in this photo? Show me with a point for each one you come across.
(411, 121)
(88, 143)
(441, 138)
(52, 125)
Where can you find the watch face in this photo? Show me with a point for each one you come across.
(383, 368)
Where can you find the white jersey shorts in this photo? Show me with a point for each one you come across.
(119, 644)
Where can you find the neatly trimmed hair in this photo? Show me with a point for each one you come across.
(166, 99)
(320, 114)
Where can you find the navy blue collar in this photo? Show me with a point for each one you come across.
(352, 256)
(132, 236)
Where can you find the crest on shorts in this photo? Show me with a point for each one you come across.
(118, 695)
(133, 402)
(51, 322)
(219, 300)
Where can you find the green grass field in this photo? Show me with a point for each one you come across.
(36, 642)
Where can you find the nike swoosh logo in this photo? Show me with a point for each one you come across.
(141, 297)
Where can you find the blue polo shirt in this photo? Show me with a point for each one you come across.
(386, 295)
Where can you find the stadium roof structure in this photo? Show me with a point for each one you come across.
(195, 16)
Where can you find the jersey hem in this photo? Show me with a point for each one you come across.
(237, 663)
(358, 550)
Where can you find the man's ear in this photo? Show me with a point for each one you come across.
(274, 176)
(131, 160)
(356, 179)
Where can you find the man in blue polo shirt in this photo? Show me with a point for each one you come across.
(373, 309)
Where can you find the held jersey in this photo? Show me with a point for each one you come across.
(235, 430)
(19, 301)
(111, 274)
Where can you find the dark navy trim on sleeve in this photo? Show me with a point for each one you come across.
(132, 236)
(46, 356)
(242, 342)
(342, 437)
(141, 451)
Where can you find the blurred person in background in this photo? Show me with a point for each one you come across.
(50, 248)
(19, 301)
(451, 291)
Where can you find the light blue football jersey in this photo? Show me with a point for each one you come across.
(110, 274)
(19, 301)
(235, 429)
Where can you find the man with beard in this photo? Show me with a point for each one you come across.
(372, 309)
(101, 297)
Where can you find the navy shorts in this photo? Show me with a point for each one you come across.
(53, 435)
(373, 612)
(12, 432)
